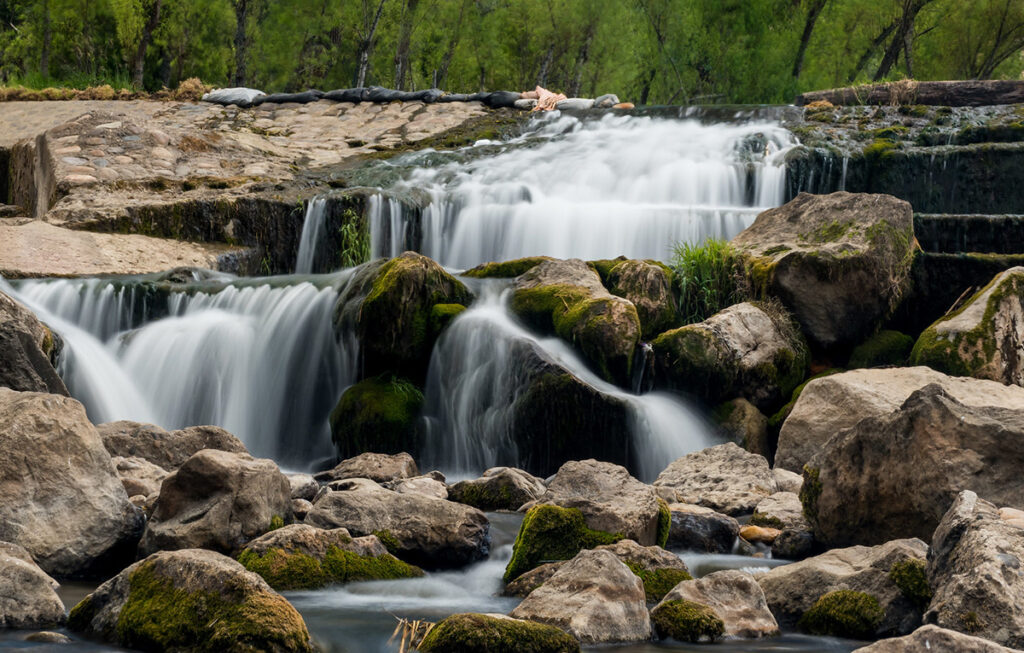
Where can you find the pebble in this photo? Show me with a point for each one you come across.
(107, 174)
(162, 153)
(48, 637)
(96, 153)
(159, 137)
(74, 161)
(109, 125)
(80, 179)
(759, 534)
(81, 170)
(100, 163)
(68, 150)
(131, 138)
(95, 140)
(122, 160)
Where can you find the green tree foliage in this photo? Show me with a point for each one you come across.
(647, 51)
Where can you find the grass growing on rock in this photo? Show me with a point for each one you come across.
(284, 570)
(843, 613)
(708, 278)
(664, 523)
(687, 621)
(479, 633)
(505, 270)
(551, 533)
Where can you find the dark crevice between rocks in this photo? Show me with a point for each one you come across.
(5, 176)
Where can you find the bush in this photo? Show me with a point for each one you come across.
(708, 278)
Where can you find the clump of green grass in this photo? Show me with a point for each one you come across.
(708, 278)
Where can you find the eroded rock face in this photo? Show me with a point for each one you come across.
(985, 338)
(217, 500)
(792, 589)
(193, 600)
(28, 597)
(724, 478)
(499, 488)
(377, 467)
(166, 449)
(974, 569)
(594, 597)
(895, 475)
(838, 262)
(781, 510)
(28, 351)
(832, 403)
(735, 597)
(419, 529)
(929, 639)
(649, 287)
(741, 421)
(696, 528)
(60, 497)
(138, 475)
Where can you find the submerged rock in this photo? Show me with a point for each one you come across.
(735, 597)
(28, 597)
(724, 478)
(499, 488)
(495, 633)
(167, 450)
(28, 351)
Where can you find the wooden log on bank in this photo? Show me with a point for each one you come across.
(968, 93)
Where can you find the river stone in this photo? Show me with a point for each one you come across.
(735, 597)
(594, 597)
(649, 287)
(932, 639)
(28, 351)
(744, 351)
(499, 488)
(974, 569)
(138, 475)
(724, 478)
(610, 499)
(495, 633)
(895, 475)
(575, 104)
(745, 425)
(60, 497)
(832, 403)
(792, 589)
(839, 262)
(781, 510)
(568, 299)
(190, 600)
(28, 597)
(377, 467)
(303, 486)
(606, 101)
(696, 528)
(422, 530)
(217, 500)
(788, 481)
(426, 485)
(167, 450)
(243, 97)
(985, 338)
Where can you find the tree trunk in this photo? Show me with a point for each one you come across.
(903, 40)
(138, 65)
(44, 59)
(581, 61)
(442, 75)
(812, 18)
(241, 41)
(404, 43)
(365, 47)
(870, 52)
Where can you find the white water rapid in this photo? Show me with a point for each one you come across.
(312, 231)
(588, 188)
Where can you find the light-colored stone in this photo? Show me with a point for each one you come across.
(735, 597)
(28, 597)
(932, 639)
(724, 478)
(166, 449)
(781, 510)
(788, 481)
(138, 475)
(499, 488)
(377, 467)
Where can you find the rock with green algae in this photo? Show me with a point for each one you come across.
(380, 415)
(190, 600)
(499, 488)
(741, 421)
(648, 285)
(840, 262)
(686, 621)
(883, 348)
(984, 338)
(505, 269)
(495, 633)
(299, 556)
(565, 297)
(389, 305)
(843, 613)
(552, 533)
(735, 597)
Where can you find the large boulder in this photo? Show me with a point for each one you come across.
(838, 262)
(567, 298)
(895, 475)
(378, 467)
(217, 500)
(932, 639)
(984, 338)
(380, 414)
(696, 528)
(724, 478)
(388, 305)
(167, 450)
(499, 488)
(28, 351)
(783, 511)
(28, 596)
(191, 600)
(594, 597)
(300, 556)
(747, 350)
(741, 422)
(735, 597)
(60, 497)
(421, 530)
(648, 285)
(495, 633)
(550, 533)
(974, 568)
(791, 590)
(832, 403)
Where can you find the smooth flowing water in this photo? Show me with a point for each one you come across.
(312, 231)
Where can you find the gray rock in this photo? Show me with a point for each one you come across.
(606, 101)
(575, 104)
(303, 486)
(377, 467)
(932, 639)
(242, 97)
(28, 597)
(735, 597)
(696, 528)
(499, 488)
(28, 351)
(138, 475)
(724, 478)
(649, 287)
(167, 450)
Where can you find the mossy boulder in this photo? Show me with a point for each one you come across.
(885, 348)
(648, 285)
(984, 338)
(658, 569)
(566, 298)
(741, 421)
(190, 600)
(840, 262)
(552, 533)
(494, 633)
(441, 315)
(736, 599)
(380, 415)
(686, 621)
(506, 269)
(843, 613)
(911, 576)
(500, 488)
(389, 305)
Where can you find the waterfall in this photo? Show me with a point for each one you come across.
(477, 373)
(312, 231)
(587, 188)
(259, 360)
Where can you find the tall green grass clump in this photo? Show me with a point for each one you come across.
(708, 278)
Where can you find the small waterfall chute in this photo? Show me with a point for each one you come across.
(312, 233)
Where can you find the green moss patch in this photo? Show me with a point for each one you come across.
(810, 492)
(483, 496)
(883, 348)
(550, 533)
(506, 269)
(843, 613)
(658, 582)
(441, 315)
(478, 633)
(911, 577)
(687, 621)
(664, 523)
(284, 570)
(379, 415)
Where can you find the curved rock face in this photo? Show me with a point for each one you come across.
(832, 403)
(28, 597)
(974, 568)
(60, 497)
(499, 488)
(193, 600)
(217, 500)
(422, 530)
(839, 262)
(594, 597)
(792, 589)
(495, 633)
(166, 449)
(28, 351)
(696, 528)
(985, 338)
(931, 639)
(649, 287)
(139, 476)
(895, 475)
(724, 478)
(378, 467)
(735, 597)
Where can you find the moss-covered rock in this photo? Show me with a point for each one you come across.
(441, 315)
(484, 633)
(500, 488)
(686, 621)
(648, 285)
(883, 348)
(506, 269)
(911, 577)
(552, 533)
(664, 523)
(983, 338)
(843, 613)
(741, 421)
(380, 414)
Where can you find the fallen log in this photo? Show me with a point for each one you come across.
(967, 93)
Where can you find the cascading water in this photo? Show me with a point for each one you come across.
(587, 188)
(476, 375)
(312, 230)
